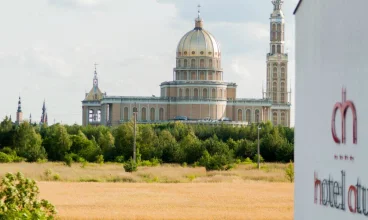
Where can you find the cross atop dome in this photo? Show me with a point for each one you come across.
(198, 20)
(199, 11)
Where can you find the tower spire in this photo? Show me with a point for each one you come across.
(198, 20)
(44, 114)
(199, 11)
(19, 112)
(277, 4)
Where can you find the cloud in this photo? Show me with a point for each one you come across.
(76, 3)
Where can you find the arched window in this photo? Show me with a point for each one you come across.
(283, 119)
(274, 74)
(278, 48)
(201, 63)
(282, 87)
(283, 72)
(213, 93)
(99, 115)
(274, 118)
(220, 93)
(217, 64)
(161, 114)
(210, 63)
(144, 114)
(247, 115)
(274, 36)
(205, 93)
(193, 76)
(278, 27)
(177, 75)
(274, 27)
(274, 91)
(180, 92)
(192, 63)
(202, 76)
(90, 115)
(178, 62)
(152, 114)
(240, 115)
(185, 75)
(273, 49)
(195, 93)
(257, 116)
(185, 63)
(187, 92)
(126, 113)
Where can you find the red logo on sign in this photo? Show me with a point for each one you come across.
(343, 107)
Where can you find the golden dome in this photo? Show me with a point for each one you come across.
(198, 42)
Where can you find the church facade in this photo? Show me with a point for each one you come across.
(198, 91)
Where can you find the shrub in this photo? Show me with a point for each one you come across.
(119, 159)
(130, 166)
(184, 164)
(39, 160)
(155, 162)
(68, 159)
(100, 159)
(255, 159)
(56, 177)
(145, 163)
(20, 199)
(289, 172)
(4, 158)
(248, 161)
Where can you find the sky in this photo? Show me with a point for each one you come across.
(48, 49)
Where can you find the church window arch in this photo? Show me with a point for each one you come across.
(205, 95)
(240, 115)
(185, 63)
(90, 115)
(274, 72)
(257, 115)
(202, 76)
(196, 93)
(161, 114)
(177, 75)
(201, 63)
(278, 48)
(210, 63)
(282, 87)
(193, 76)
(278, 27)
(143, 114)
(187, 92)
(185, 75)
(283, 72)
(220, 93)
(217, 64)
(273, 27)
(247, 115)
(283, 118)
(178, 62)
(192, 63)
(99, 115)
(213, 93)
(152, 114)
(180, 92)
(126, 114)
(274, 118)
(274, 36)
(282, 97)
(273, 49)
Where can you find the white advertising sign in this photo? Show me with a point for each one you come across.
(331, 110)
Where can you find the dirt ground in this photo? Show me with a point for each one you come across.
(244, 200)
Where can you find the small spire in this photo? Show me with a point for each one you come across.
(30, 118)
(19, 105)
(198, 20)
(277, 4)
(96, 68)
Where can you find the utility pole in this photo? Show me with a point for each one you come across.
(258, 128)
(134, 145)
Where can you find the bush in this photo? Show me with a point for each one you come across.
(119, 159)
(68, 159)
(248, 161)
(56, 177)
(289, 172)
(215, 162)
(100, 159)
(130, 166)
(184, 164)
(4, 158)
(255, 159)
(20, 199)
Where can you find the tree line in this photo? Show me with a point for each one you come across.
(212, 146)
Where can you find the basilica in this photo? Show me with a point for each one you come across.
(197, 91)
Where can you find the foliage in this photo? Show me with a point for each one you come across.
(174, 142)
(255, 159)
(130, 166)
(289, 171)
(19, 199)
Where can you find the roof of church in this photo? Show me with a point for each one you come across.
(91, 95)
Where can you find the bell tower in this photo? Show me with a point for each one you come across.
(19, 112)
(277, 66)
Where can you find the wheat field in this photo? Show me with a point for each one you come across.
(163, 192)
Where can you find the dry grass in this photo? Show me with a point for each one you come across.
(162, 192)
(248, 200)
(163, 174)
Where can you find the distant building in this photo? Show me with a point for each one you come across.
(43, 115)
(19, 114)
(198, 91)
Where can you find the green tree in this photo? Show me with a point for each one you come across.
(19, 199)
(168, 145)
(27, 143)
(57, 142)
